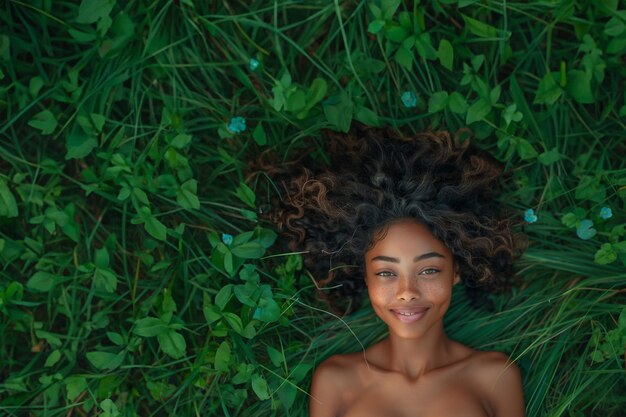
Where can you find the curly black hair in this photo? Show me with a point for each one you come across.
(334, 212)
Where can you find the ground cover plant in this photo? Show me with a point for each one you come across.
(137, 275)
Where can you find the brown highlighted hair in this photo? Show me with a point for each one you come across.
(333, 211)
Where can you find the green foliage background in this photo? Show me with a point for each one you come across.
(122, 175)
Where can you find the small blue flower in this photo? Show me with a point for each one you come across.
(530, 216)
(606, 213)
(585, 231)
(237, 124)
(254, 64)
(409, 99)
(227, 239)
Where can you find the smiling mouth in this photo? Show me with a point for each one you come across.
(410, 315)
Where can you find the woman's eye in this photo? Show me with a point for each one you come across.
(385, 274)
(429, 271)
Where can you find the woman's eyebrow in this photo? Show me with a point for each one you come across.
(416, 259)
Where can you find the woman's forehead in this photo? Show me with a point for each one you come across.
(407, 235)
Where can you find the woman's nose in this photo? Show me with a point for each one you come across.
(407, 288)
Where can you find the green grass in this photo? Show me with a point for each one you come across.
(119, 176)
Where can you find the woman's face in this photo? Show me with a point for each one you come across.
(409, 277)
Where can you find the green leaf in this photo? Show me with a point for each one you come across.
(98, 121)
(181, 140)
(150, 327)
(109, 409)
(141, 196)
(457, 103)
(249, 250)
(550, 157)
(186, 195)
(101, 257)
(437, 102)
(234, 321)
(91, 11)
(589, 188)
(510, 114)
(44, 121)
(276, 357)
(41, 281)
(479, 28)
(378, 14)
(445, 53)
(494, 94)
(155, 228)
(477, 62)
(366, 116)
(15, 290)
(424, 46)
(579, 86)
(259, 135)
(548, 91)
(478, 111)
(296, 101)
(245, 194)
(396, 34)
(616, 25)
(168, 306)
(278, 100)
(172, 343)
(244, 373)
(222, 357)
(285, 79)
(266, 237)
(404, 57)
(242, 238)
(8, 205)
(228, 263)
(405, 20)
(115, 338)
(249, 331)
(79, 144)
(53, 358)
(75, 385)
(389, 8)
(83, 37)
(339, 110)
(524, 149)
(375, 26)
(105, 279)
(605, 255)
(267, 311)
(34, 85)
(105, 360)
(211, 314)
(316, 93)
(571, 219)
(223, 296)
(249, 274)
(247, 294)
(259, 386)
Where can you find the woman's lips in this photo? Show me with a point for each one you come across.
(409, 315)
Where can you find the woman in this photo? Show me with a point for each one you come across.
(405, 219)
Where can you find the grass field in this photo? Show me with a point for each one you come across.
(137, 278)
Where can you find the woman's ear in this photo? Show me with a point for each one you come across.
(457, 275)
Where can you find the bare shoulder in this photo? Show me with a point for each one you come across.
(499, 380)
(331, 379)
(337, 371)
(495, 367)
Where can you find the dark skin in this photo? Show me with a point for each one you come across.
(418, 371)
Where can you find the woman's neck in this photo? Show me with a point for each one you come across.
(414, 357)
